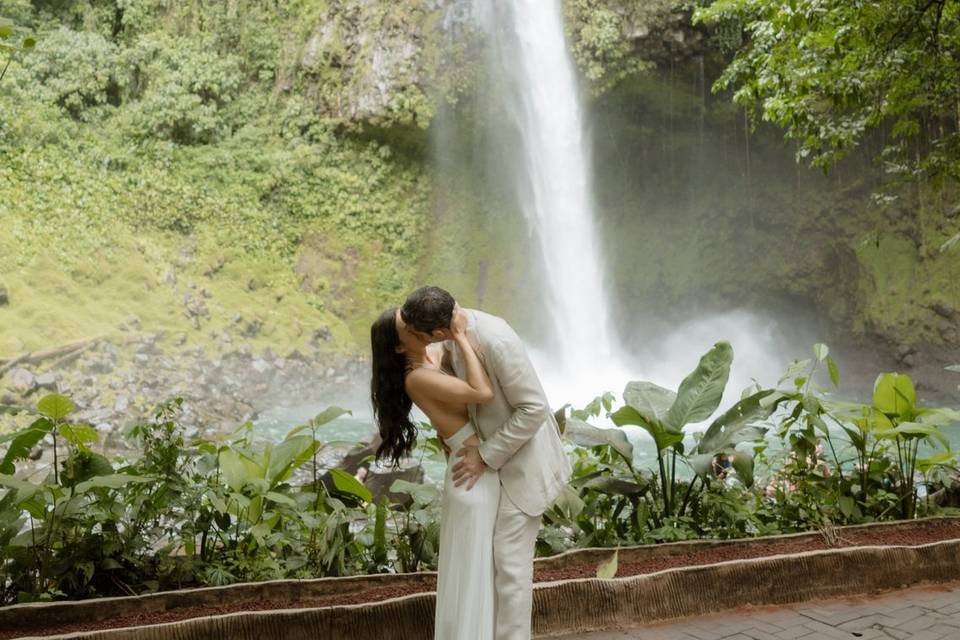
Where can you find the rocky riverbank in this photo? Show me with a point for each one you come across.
(117, 382)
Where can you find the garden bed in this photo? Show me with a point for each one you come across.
(653, 582)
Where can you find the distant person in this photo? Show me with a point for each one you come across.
(483, 397)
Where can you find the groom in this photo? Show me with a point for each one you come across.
(519, 438)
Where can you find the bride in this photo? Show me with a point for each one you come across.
(405, 371)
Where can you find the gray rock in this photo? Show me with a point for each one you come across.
(170, 277)
(943, 309)
(905, 350)
(22, 380)
(910, 360)
(4, 296)
(321, 335)
(259, 365)
(47, 381)
(252, 329)
(121, 403)
(215, 268)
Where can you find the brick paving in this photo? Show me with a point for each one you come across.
(923, 613)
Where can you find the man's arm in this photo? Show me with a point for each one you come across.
(521, 387)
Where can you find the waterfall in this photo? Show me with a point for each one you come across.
(555, 187)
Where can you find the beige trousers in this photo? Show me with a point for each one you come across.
(514, 541)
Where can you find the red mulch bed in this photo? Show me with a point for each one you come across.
(917, 534)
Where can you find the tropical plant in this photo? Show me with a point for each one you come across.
(12, 43)
(615, 496)
(860, 478)
(205, 511)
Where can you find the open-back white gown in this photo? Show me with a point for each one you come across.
(466, 600)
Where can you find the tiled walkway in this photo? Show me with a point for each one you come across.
(925, 613)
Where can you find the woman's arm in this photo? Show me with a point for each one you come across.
(476, 375)
(446, 388)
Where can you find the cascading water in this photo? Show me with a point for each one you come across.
(555, 185)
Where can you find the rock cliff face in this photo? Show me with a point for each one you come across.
(382, 63)
(389, 63)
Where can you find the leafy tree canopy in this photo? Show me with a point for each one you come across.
(831, 72)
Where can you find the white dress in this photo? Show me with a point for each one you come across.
(466, 600)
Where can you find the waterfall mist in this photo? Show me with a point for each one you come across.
(561, 252)
(533, 83)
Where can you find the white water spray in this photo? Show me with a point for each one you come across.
(556, 191)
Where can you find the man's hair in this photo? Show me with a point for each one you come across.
(428, 309)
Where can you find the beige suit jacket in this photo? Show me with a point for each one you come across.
(520, 437)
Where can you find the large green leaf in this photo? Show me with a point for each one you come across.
(234, 470)
(324, 417)
(702, 463)
(735, 424)
(569, 502)
(346, 483)
(25, 490)
(608, 568)
(587, 435)
(894, 394)
(280, 498)
(422, 494)
(23, 442)
(939, 416)
(79, 434)
(650, 400)
(743, 464)
(947, 457)
(821, 351)
(288, 455)
(701, 391)
(910, 430)
(662, 437)
(834, 371)
(111, 482)
(55, 406)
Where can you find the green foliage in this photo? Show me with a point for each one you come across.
(181, 89)
(830, 73)
(77, 71)
(600, 46)
(164, 123)
(617, 502)
(12, 43)
(822, 463)
(206, 511)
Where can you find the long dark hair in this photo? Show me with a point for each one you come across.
(391, 404)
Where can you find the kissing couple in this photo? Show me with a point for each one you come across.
(470, 374)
